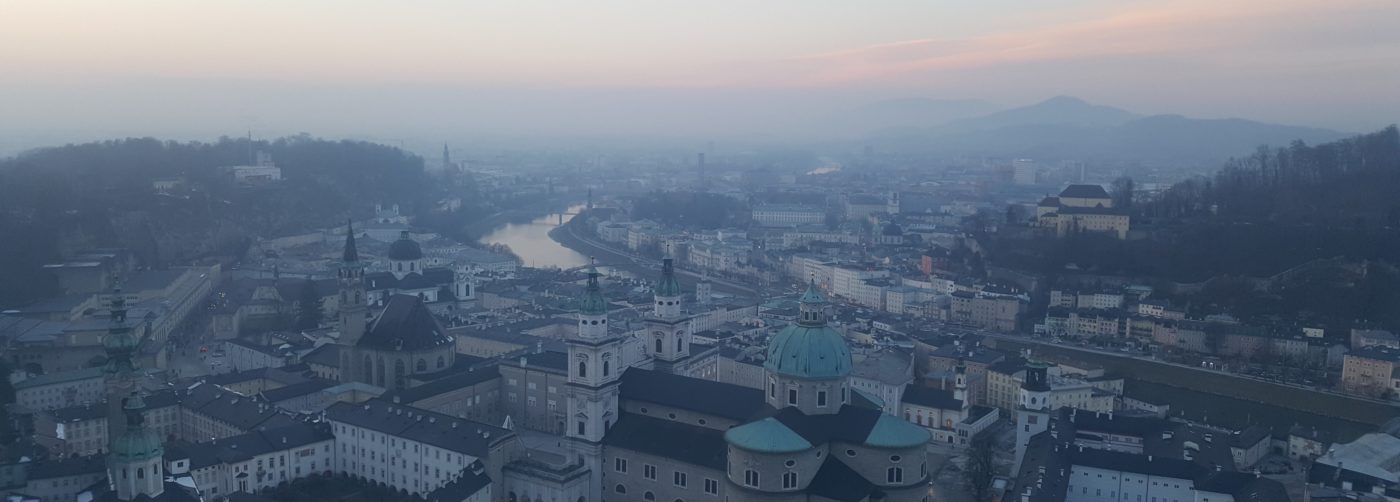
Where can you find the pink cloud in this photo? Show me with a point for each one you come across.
(1191, 27)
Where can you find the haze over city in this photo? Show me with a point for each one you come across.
(781, 69)
(771, 251)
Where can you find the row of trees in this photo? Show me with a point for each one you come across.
(1350, 182)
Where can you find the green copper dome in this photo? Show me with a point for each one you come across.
(137, 443)
(809, 352)
(668, 286)
(592, 302)
(891, 432)
(767, 436)
(809, 348)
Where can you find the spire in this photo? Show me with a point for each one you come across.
(668, 286)
(119, 343)
(446, 157)
(812, 306)
(351, 254)
(592, 302)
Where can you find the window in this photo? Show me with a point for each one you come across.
(658, 345)
(894, 475)
(850, 453)
(679, 479)
(620, 488)
(607, 365)
(648, 496)
(772, 388)
(620, 465)
(821, 398)
(530, 385)
(789, 480)
(712, 487)
(581, 428)
(649, 471)
(582, 369)
(751, 478)
(421, 366)
(792, 396)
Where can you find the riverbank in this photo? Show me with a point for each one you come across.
(567, 236)
(1225, 399)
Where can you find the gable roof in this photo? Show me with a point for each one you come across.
(1084, 192)
(939, 399)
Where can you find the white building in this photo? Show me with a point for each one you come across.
(787, 215)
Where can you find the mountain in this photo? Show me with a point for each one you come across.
(1070, 128)
(1059, 110)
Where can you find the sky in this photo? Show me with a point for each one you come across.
(74, 69)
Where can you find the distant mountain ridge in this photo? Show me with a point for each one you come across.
(1065, 127)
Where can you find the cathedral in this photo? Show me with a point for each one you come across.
(403, 341)
(641, 429)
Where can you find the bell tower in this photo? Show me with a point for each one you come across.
(1033, 412)
(594, 369)
(667, 332)
(353, 304)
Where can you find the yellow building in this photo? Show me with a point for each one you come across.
(1083, 208)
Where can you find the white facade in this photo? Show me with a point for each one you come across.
(787, 215)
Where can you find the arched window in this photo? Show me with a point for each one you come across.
(606, 366)
(398, 374)
(649, 496)
(441, 362)
(789, 480)
(658, 345)
(894, 475)
(379, 373)
(751, 478)
(422, 365)
(140, 473)
(620, 488)
(679, 342)
(583, 369)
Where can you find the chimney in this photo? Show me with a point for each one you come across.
(396, 399)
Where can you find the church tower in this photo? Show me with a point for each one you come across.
(667, 333)
(960, 384)
(1033, 412)
(119, 344)
(594, 370)
(134, 469)
(353, 305)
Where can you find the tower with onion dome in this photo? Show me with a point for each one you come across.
(594, 368)
(666, 329)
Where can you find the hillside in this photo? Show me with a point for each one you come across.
(57, 201)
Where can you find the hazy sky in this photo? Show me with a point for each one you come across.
(409, 67)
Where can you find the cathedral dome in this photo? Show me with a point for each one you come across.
(809, 348)
(809, 352)
(405, 249)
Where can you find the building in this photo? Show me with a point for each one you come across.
(985, 310)
(947, 413)
(1086, 208)
(403, 341)
(60, 390)
(787, 215)
(415, 450)
(258, 459)
(1023, 172)
(1370, 370)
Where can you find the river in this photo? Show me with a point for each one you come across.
(531, 242)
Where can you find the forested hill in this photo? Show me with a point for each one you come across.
(1350, 183)
(66, 199)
